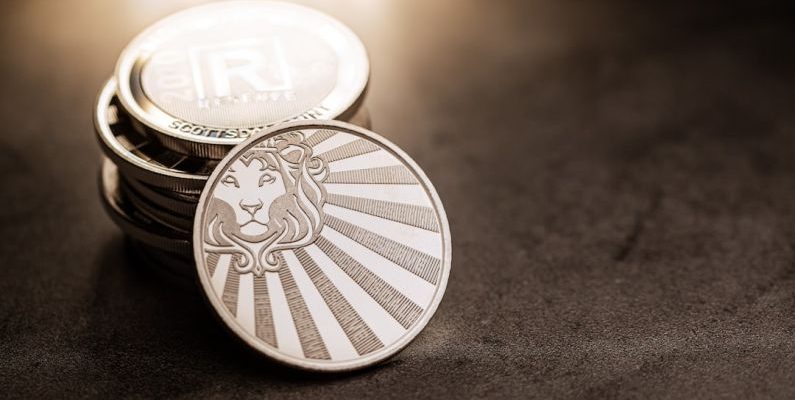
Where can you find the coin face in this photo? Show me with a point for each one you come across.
(322, 245)
(215, 74)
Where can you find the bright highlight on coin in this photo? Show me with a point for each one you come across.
(322, 245)
(206, 78)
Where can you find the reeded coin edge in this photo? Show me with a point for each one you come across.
(129, 224)
(209, 147)
(165, 217)
(255, 343)
(169, 202)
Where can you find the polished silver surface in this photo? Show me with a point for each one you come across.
(134, 223)
(322, 245)
(204, 79)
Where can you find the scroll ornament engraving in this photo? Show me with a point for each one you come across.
(269, 200)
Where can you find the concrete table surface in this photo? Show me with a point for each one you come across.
(619, 178)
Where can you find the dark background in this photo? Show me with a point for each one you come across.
(619, 178)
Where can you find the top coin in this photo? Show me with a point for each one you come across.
(322, 245)
(206, 78)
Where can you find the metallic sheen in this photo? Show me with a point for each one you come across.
(204, 79)
(139, 158)
(319, 275)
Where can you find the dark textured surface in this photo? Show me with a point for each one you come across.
(619, 177)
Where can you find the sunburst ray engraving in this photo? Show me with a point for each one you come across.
(393, 175)
(409, 214)
(400, 307)
(421, 264)
(231, 288)
(352, 149)
(311, 342)
(318, 137)
(405, 194)
(212, 262)
(263, 316)
(360, 335)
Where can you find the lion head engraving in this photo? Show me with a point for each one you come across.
(268, 200)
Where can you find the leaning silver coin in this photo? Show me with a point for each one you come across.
(322, 245)
(134, 223)
(204, 79)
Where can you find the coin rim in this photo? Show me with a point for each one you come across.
(127, 160)
(256, 343)
(165, 217)
(149, 232)
(208, 146)
(169, 201)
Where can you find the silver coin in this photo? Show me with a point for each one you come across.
(206, 78)
(168, 218)
(139, 157)
(131, 221)
(322, 245)
(177, 202)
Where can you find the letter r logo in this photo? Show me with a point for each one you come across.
(232, 69)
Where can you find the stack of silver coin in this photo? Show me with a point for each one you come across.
(195, 84)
